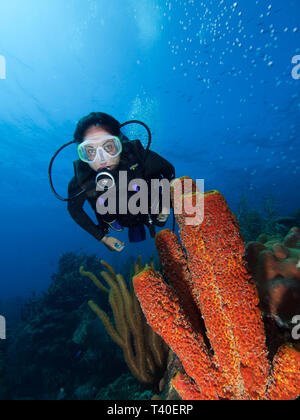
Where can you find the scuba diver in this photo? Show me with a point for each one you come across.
(104, 153)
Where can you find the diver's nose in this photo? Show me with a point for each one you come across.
(101, 155)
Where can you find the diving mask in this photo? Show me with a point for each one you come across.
(101, 149)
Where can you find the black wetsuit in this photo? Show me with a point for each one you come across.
(138, 165)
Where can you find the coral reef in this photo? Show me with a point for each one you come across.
(224, 355)
(274, 263)
(144, 351)
(251, 220)
(264, 218)
(124, 388)
(59, 347)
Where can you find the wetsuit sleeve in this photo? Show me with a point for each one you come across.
(156, 167)
(75, 208)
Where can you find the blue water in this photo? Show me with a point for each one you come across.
(211, 78)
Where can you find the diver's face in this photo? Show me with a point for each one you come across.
(96, 133)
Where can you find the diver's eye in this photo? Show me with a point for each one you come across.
(109, 147)
(91, 152)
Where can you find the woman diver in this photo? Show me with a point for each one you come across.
(104, 153)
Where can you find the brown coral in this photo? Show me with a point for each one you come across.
(274, 264)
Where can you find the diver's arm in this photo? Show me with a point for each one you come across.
(157, 166)
(75, 208)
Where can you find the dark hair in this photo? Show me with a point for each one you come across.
(97, 118)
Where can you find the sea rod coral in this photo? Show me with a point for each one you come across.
(206, 309)
(144, 351)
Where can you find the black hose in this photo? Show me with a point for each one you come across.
(50, 174)
(146, 127)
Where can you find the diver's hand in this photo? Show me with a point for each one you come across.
(113, 244)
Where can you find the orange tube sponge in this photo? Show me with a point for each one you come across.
(183, 385)
(227, 297)
(166, 316)
(285, 379)
(226, 358)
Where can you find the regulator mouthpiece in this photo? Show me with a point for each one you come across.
(105, 181)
